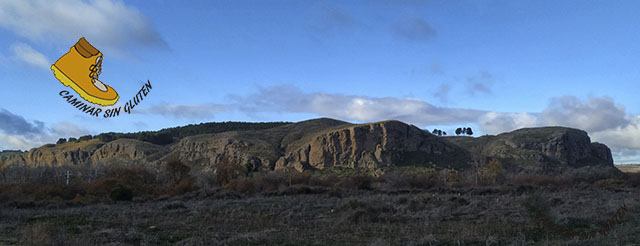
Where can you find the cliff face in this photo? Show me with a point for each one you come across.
(325, 143)
(546, 148)
(57, 155)
(370, 146)
(128, 151)
(210, 149)
(124, 151)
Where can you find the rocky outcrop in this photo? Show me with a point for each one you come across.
(208, 150)
(539, 149)
(325, 143)
(57, 155)
(128, 151)
(372, 145)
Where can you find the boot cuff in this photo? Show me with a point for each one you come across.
(85, 48)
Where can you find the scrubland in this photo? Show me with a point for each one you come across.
(178, 205)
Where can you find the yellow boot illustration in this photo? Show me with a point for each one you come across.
(79, 68)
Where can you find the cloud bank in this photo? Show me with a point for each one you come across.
(18, 133)
(288, 98)
(24, 53)
(107, 23)
(190, 111)
(15, 124)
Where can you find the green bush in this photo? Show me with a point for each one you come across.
(121, 193)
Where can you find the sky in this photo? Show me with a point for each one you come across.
(495, 66)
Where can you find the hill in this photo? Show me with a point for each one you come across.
(324, 143)
(553, 149)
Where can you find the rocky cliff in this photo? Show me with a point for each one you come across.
(324, 143)
(539, 149)
(371, 146)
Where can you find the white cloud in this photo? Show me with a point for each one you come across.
(496, 123)
(626, 155)
(191, 111)
(23, 52)
(18, 133)
(288, 98)
(627, 136)
(595, 114)
(15, 142)
(67, 129)
(109, 24)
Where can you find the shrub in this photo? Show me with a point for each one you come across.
(358, 182)
(181, 179)
(632, 178)
(396, 180)
(493, 172)
(121, 193)
(423, 180)
(102, 187)
(42, 234)
(228, 170)
(449, 176)
(177, 170)
(185, 185)
(537, 206)
(241, 185)
(541, 180)
(611, 183)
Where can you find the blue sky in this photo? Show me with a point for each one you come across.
(493, 65)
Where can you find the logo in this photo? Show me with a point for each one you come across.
(80, 69)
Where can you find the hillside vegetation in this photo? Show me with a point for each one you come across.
(170, 135)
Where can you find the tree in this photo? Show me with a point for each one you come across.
(72, 139)
(469, 131)
(458, 131)
(61, 141)
(435, 132)
(439, 132)
(85, 138)
(107, 137)
(444, 133)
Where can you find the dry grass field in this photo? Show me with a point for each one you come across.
(629, 168)
(443, 216)
(410, 207)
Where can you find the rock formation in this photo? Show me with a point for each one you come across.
(539, 149)
(371, 146)
(324, 143)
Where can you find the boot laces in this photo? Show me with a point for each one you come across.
(96, 70)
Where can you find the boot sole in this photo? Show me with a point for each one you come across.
(66, 81)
